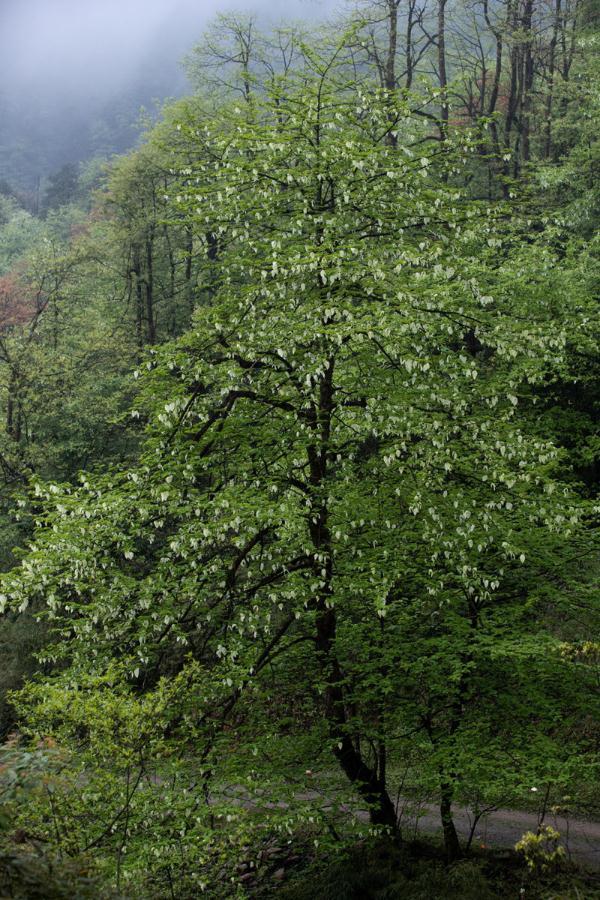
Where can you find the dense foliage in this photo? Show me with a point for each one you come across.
(340, 556)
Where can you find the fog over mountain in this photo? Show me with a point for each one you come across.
(74, 73)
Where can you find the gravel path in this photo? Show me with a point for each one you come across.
(501, 828)
(504, 827)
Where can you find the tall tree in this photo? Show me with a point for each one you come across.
(336, 471)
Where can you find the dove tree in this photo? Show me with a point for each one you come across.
(330, 524)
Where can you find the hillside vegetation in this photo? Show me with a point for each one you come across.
(299, 464)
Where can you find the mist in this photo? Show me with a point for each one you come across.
(72, 71)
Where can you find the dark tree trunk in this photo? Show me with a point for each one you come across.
(408, 49)
(442, 74)
(319, 415)
(495, 88)
(368, 781)
(390, 68)
(213, 246)
(513, 91)
(527, 81)
(136, 271)
(189, 249)
(389, 73)
(150, 314)
(551, 71)
(451, 841)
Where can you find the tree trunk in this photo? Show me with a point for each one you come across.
(370, 786)
(367, 781)
(136, 271)
(443, 77)
(13, 408)
(150, 315)
(189, 287)
(390, 67)
(513, 92)
(495, 89)
(451, 842)
(527, 80)
(551, 70)
(408, 47)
